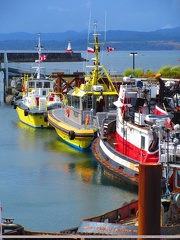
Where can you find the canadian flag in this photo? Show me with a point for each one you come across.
(90, 50)
(42, 58)
(110, 49)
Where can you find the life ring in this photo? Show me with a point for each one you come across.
(67, 112)
(71, 135)
(87, 119)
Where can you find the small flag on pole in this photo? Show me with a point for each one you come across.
(110, 49)
(90, 50)
(42, 58)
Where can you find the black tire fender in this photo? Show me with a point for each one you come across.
(45, 117)
(71, 135)
(25, 112)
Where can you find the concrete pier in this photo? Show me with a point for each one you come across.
(31, 56)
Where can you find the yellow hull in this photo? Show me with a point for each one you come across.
(79, 138)
(36, 120)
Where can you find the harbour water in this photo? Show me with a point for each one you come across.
(116, 61)
(47, 185)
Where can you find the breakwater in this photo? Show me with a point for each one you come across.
(31, 56)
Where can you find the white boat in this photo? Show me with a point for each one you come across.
(39, 96)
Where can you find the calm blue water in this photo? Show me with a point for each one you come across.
(47, 185)
(117, 61)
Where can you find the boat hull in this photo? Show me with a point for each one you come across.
(78, 137)
(116, 166)
(35, 119)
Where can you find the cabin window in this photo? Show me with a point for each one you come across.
(39, 84)
(84, 101)
(111, 100)
(47, 85)
(142, 142)
(76, 102)
(31, 84)
(177, 179)
(44, 92)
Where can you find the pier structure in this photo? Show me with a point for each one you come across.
(31, 56)
(66, 82)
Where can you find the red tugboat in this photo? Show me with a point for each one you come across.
(145, 130)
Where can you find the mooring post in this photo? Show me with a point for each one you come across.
(149, 195)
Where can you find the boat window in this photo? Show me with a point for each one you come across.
(76, 102)
(177, 179)
(89, 101)
(31, 84)
(84, 101)
(110, 102)
(39, 85)
(44, 92)
(142, 142)
(47, 85)
(68, 97)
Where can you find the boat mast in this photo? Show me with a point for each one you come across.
(39, 48)
(96, 48)
(95, 71)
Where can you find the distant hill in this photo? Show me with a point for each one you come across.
(165, 39)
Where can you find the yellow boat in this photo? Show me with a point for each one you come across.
(87, 105)
(38, 97)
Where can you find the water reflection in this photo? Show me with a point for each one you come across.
(52, 178)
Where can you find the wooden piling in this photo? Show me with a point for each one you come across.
(149, 195)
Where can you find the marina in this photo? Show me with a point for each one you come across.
(34, 154)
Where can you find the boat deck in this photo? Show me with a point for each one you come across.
(60, 116)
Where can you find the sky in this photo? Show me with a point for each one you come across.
(47, 16)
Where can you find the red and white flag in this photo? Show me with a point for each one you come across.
(90, 50)
(110, 49)
(42, 58)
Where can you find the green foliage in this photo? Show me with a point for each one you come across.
(166, 72)
(170, 72)
(136, 73)
(149, 72)
(128, 72)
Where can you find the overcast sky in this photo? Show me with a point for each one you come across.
(45, 16)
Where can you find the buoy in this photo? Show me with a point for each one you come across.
(87, 119)
(67, 112)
